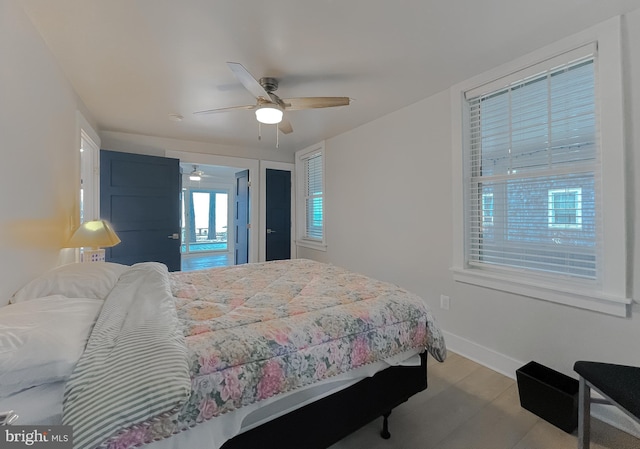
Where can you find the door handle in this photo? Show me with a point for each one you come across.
(270, 231)
(174, 236)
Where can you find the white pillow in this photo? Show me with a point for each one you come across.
(41, 340)
(76, 280)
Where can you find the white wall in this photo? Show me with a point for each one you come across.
(388, 214)
(39, 146)
(159, 146)
(388, 197)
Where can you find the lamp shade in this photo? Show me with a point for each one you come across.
(269, 114)
(94, 234)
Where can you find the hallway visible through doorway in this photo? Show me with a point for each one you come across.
(207, 211)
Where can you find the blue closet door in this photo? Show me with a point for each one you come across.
(278, 215)
(140, 196)
(241, 218)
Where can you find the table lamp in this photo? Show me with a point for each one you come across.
(96, 234)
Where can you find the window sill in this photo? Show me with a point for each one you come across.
(312, 245)
(569, 295)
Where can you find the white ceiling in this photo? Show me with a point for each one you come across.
(135, 62)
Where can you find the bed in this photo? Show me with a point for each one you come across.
(227, 357)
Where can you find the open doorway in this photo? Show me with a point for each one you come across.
(204, 220)
(231, 166)
(207, 203)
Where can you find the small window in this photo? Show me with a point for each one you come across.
(565, 208)
(487, 209)
(313, 197)
(310, 176)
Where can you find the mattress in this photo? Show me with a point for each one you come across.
(214, 433)
(42, 405)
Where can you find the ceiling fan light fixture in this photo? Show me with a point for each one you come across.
(195, 175)
(269, 114)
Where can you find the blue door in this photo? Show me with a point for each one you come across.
(278, 214)
(140, 196)
(241, 218)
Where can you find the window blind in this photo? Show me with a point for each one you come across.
(533, 173)
(313, 190)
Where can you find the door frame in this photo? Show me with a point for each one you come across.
(89, 161)
(264, 165)
(253, 166)
(89, 176)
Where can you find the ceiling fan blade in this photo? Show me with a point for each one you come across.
(248, 81)
(232, 108)
(293, 104)
(285, 127)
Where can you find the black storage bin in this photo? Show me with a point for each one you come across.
(549, 394)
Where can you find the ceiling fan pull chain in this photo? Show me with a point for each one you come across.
(259, 131)
(277, 136)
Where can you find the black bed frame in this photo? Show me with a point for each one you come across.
(328, 420)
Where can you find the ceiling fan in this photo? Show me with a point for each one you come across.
(196, 175)
(269, 107)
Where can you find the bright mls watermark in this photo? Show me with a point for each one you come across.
(36, 437)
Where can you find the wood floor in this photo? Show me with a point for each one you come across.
(206, 260)
(468, 406)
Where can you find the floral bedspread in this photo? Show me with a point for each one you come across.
(257, 330)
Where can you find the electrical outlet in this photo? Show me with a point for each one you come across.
(444, 302)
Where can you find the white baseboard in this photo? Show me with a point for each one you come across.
(507, 366)
(482, 355)
(615, 417)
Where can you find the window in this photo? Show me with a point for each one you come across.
(526, 142)
(487, 209)
(535, 181)
(565, 208)
(310, 176)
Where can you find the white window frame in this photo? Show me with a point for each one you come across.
(551, 194)
(487, 219)
(301, 238)
(608, 294)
